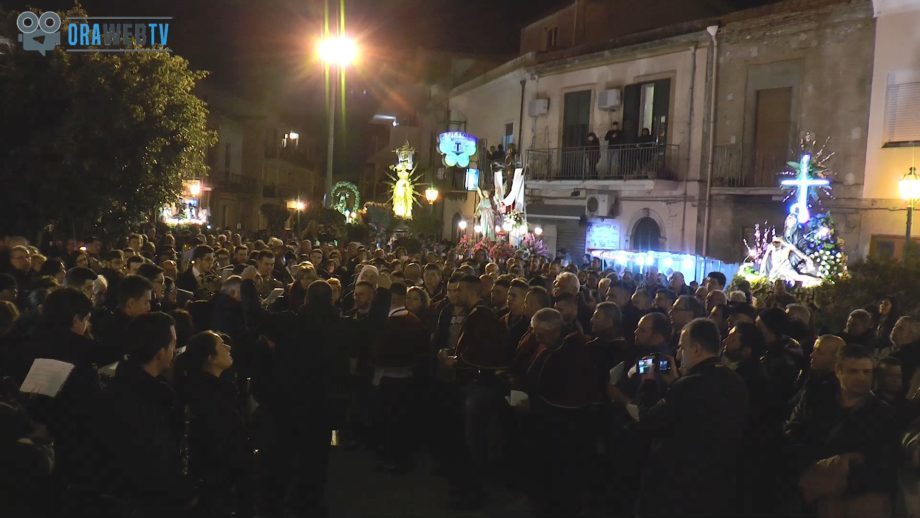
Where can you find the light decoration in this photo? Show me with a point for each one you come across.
(666, 262)
(404, 181)
(802, 183)
(909, 186)
(297, 205)
(457, 148)
(477, 228)
(462, 224)
(194, 188)
(506, 226)
(346, 200)
(808, 251)
(538, 230)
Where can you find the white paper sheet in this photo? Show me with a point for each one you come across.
(46, 377)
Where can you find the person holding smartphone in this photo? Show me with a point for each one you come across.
(696, 425)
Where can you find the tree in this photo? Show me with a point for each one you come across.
(95, 141)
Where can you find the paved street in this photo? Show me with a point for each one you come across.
(355, 489)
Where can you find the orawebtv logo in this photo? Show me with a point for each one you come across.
(39, 33)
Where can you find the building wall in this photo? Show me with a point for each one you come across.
(533, 36)
(826, 56)
(614, 71)
(897, 40)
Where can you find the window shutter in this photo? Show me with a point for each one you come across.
(631, 99)
(902, 108)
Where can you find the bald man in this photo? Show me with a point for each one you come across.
(819, 385)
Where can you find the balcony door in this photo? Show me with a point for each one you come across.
(576, 118)
(772, 123)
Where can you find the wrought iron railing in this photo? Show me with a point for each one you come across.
(730, 169)
(620, 162)
(235, 184)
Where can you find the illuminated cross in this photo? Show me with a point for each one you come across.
(802, 183)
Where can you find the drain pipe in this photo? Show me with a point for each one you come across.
(712, 30)
(521, 119)
(683, 219)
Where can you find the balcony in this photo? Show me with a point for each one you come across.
(294, 154)
(622, 162)
(278, 191)
(236, 184)
(730, 169)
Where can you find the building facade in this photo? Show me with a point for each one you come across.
(259, 164)
(779, 71)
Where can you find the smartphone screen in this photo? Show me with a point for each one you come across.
(664, 366)
(645, 365)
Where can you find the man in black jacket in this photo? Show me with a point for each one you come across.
(854, 445)
(696, 427)
(136, 429)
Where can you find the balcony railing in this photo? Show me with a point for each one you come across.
(730, 169)
(235, 184)
(621, 162)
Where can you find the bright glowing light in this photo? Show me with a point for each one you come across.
(462, 224)
(909, 186)
(293, 135)
(687, 265)
(752, 252)
(622, 258)
(194, 188)
(640, 260)
(538, 231)
(802, 183)
(823, 232)
(668, 262)
(498, 228)
(338, 50)
(431, 194)
(296, 205)
(506, 226)
(477, 229)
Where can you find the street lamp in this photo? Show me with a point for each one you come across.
(299, 206)
(462, 225)
(431, 194)
(538, 231)
(909, 188)
(339, 51)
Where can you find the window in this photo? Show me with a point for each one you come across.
(646, 235)
(227, 149)
(646, 106)
(508, 139)
(551, 38)
(902, 108)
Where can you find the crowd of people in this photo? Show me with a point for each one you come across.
(210, 374)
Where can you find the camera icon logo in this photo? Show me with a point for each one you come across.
(39, 33)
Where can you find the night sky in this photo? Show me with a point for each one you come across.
(263, 50)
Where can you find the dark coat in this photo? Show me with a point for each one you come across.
(402, 342)
(607, 354)
(218, 442)
(112, 332)
(696, 429)
(483, 342)
(138, 441)
(186, 281)
(69, 415)
(869, 429)
(565, 377)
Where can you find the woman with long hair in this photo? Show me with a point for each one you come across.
(218, 444)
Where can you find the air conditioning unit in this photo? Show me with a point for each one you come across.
(537, 107)
(608, 99)
(597, 205)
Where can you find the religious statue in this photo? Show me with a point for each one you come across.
(777, 264)
(403, 187)
(486, 214)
